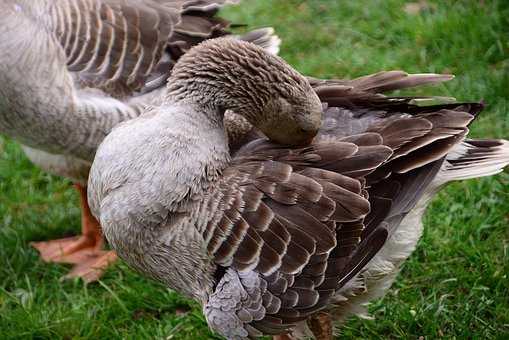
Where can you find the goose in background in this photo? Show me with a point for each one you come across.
(71, 70)
(280, 235)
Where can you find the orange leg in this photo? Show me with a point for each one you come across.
(84, 251)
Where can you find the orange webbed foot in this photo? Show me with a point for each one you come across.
(84, 251)
(93, 268)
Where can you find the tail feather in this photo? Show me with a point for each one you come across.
(385, 81)
(475, 158)
(263, 37)
(205, 5)
(395, 80)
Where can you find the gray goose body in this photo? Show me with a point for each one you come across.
(268, 235)
(71, 70)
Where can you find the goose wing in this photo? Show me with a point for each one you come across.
(121, 46)
(291, 227)
(288, 222)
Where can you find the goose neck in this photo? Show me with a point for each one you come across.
(227, 74)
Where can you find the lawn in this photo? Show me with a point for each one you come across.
(456, 285)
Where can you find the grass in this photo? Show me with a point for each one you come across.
(456, 284)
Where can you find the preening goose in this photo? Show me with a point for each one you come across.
(70, 70)
(281, 231)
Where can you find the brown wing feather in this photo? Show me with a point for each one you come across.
(123, 46)
(419, 137)
(296, 220)
(114, 44)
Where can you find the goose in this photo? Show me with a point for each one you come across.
(309, 217)
(71, 70)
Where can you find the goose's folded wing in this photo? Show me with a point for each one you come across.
(290, 221)
(119, 45)
(416, 138)
(420, 137)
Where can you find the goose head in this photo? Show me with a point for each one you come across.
(225, 73)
